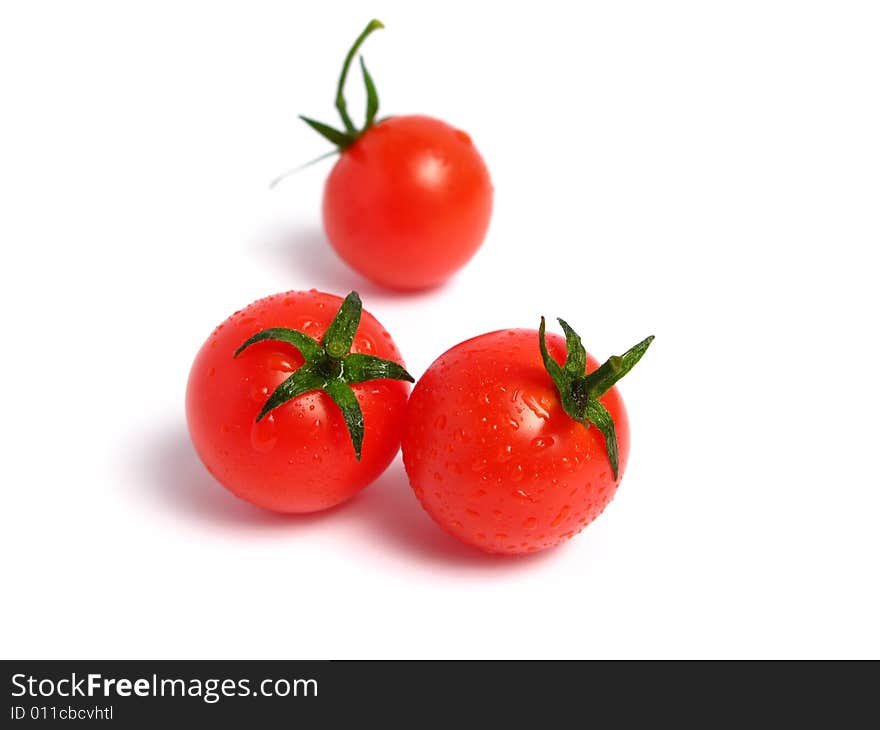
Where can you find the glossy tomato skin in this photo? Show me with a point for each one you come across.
(409, 203)
(493, 457)
(299, 458)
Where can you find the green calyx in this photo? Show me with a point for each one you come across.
(580, 391)
(349, 133)
(329, 366)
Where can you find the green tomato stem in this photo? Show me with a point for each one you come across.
(340, 95)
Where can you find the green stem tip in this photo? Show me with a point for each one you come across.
(345, 137)
(330, 366)
(580, 391)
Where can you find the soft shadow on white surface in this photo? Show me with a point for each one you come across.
(393, 515)
(386, 513)
(307, 253)
(176, 476)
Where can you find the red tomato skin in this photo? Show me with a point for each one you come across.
(409, 203)
(493, 457)
(299, 458)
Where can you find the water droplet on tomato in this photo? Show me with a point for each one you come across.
(264, 435)
(259, 393)
(535, 406)
(280, 362)
(560, 517)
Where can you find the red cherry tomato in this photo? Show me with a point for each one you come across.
(409, 200)
(492, 454)
(408, 204)
(300, 456)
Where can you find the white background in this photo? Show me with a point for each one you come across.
(706, 172)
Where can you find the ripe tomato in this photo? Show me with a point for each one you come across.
(298, 419)
(409, 200)
(408, 203)
(493, 451)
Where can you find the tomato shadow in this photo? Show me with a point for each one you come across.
(175, 476)
(387, 512)
(306, 252)
(393, 515)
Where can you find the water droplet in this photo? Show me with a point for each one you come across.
(264, 435)
(535, 406)
(520, 494)
(560, 517)
(481, 465)
(543, 442)
(280, 362)
(530, 524)
(259, 393)
(472, 512)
